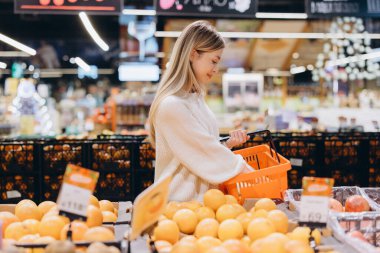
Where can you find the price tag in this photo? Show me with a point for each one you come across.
(314, 208)
(77, 187)
(148, 207)
(296, 162)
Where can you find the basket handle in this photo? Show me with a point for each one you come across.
(270, 141)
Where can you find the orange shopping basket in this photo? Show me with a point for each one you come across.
(269, 180)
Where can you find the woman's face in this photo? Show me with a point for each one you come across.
(205, 65)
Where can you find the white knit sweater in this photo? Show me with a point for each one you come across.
(188, 148)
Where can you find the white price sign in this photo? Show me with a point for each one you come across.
(73, 199)
(314, 209)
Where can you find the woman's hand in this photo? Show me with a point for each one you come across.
(237, 137)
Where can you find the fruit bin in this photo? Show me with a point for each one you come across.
(373, 195)
(340, 193)
(17, 156)
(361, 231)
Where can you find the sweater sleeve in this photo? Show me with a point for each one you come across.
(196, 149)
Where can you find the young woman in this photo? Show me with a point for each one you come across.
(182, 127)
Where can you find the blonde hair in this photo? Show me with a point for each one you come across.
(179, 77)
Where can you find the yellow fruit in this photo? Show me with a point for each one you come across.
(184, 247)
(266, 204)
(45, 206)
(252, 210)
(51, 226)
(295, 246)
(226, 211)
(166, 230)
(171, 208)
(162, 217)
(214, 198)
(207, 242)
(28, 238)
(230, 229)
(94, 201)
(231, 199)
(31, 225)
(245, 219)
(317, 236)
(279, 220)
(25, 202)
(186, 220)
(281, 238)
(300, 234)
(217, 249)
(259, 228)
(207, 227)
(260, 214)
(109, 216)
(60, 246)
(192, 205)
(98, 234)
(94, 216)
(27, 210)
(15, 231)
(106, 205)
(204, 212)
(115, 211)
(188, 238)
(239, 208)
(54, 212)
(246, 240)
(266, 245)
(7, 218)
(236, 246)
(162, 245)
(78, 229)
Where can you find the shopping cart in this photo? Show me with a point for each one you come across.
(269, 180)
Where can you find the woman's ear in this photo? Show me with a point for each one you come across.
(192, 55)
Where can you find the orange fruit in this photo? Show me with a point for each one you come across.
(235, 246)
(231, 199)
(317, 236)
(239, 208)
(189, 238)
(171, 208)
(214, 199)
(218, 249)
(192, 205)
(300, 234)
(78, 229)
(109, 216)
(94, 201)
(294, 246)
(162, 245)
(204, 212)
(28, 238)
(259, 228)
(279, 220)
(45, 206)
(283, 239)
(246, 240)
(31, 225)
(266, 204)
(94, 216)
(166, 230)
(42, 240)
(54, 212)
(98, 234)
(7, 218)
(245, 219)
(230, 229)
(15, 231)
(207, 227)
(27, 210)
(51, 226)
(260, 214)
(106, 205)
(186, 220)
(265, 245)
(25, 202)
(184, 247)
(226, 211)
(207, 242)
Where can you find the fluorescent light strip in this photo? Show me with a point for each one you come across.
(297, 70)
(91, 30)
(281, 15)
(3, 65)
(355, 58)
(139, 12)
(13, 54)
(263, 35)
(17, 44)
(81, 63)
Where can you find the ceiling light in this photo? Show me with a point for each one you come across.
(17, 44)
(91, 30)
(281, 15)
(356, 58)
(297, 70)
(81, 63)
(310, 67)
(3, 65)
(139, 12)
(13, 54)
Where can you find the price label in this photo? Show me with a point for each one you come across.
(314, 207)
(77, 187)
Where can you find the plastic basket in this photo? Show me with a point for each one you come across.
(270, 180)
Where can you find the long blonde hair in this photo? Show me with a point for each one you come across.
(179, 76)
